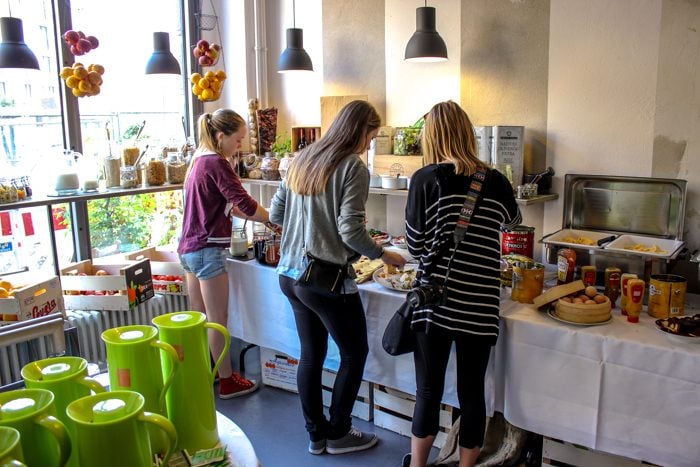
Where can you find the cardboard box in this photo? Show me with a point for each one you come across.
(393, 410)
(33, 301)
(278, 369)
(122, 288)
(168, 275)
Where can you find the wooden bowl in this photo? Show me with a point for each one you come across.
(580, 313)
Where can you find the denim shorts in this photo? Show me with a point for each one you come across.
(205, 263)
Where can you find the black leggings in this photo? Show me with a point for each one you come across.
(343, 318)
(430, 358)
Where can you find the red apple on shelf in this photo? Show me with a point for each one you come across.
(205, 61)
(93, 41)
(211, 53)
(215, 46)
(197, 52)
(203, 45)
(75, 51)
(84, 45)
(81, 34)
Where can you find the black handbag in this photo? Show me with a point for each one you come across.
(323, 276)
(398, 337)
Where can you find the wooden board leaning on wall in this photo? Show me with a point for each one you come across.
(383, 164)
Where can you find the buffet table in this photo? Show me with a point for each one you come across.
(620, 388)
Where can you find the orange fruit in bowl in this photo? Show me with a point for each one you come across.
(7, 285)
(196, 90)
(66, 72)
(72, 82)
(80, 72)
(209, 74)
(207, 94)
(221, 74)
(216, 85)
(195, 78)
(203, 83)
(4, 293)
(94, 77)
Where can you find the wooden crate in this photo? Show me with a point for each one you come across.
(280, 370)
(83, 290)
(556, 452)
(169, 277)
(393, 410)
(32, 301)
(363, 407)
(382, 164)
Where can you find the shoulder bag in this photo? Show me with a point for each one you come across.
(323, 277)
(398, 337)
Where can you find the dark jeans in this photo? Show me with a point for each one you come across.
(430, 358)
(316, 317)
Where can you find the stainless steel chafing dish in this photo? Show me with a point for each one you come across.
(616, 213)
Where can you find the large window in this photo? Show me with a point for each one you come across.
(38, 121)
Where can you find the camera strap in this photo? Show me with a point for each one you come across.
(465, 214)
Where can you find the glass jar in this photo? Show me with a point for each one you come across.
(110, 167)
(155, 171)
(127, 177)
(270, 167)
(67, 180)
(284, 165)
(272, 251)
(407, 141)
(175, 168)
(239, 242)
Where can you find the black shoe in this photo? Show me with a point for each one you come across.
(406, 460)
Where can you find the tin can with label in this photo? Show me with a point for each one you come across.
(666, 295)
(519, 240)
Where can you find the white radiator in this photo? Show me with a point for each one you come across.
(89, 326)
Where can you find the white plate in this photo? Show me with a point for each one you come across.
(386, 283)
(552, 314)
(558, 238)
(399, 242)
(623, 242)
(673, 337)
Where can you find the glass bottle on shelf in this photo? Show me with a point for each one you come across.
(175, 168)
(301, 144)
(155, 171)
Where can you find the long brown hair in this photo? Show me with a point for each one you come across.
(224, 120)
(311, 169)
(448, 136)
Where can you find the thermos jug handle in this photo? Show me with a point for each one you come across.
(224, 352)
(172, 353)
(165, 425)
(59, 432)
(93, 385)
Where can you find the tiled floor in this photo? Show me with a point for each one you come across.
(272, 420)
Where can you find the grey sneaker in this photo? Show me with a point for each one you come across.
(317, 447)
(355, 440)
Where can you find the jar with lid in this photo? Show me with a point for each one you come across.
(612, 284)
(175, 168)
(272, 251)
(239, 242)
(110, 168)
(155, 171)
(127, 177)
(566, 264)
(67, 181)
(270, 167)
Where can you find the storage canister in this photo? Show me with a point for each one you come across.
(520, 240)
(528, 280)
(666, 295)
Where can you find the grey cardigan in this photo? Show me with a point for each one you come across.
(332, 224)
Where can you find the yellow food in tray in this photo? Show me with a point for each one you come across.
(578, 240)
(365, 267)
(646, 248)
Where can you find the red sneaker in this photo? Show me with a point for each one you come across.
(235, 386)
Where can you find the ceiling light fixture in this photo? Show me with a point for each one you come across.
(425, 44)
(294, 57)
(162, 61)
(14, 53)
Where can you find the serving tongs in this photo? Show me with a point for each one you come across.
(138, 133)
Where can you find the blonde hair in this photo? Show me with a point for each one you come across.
(225, 121)
(448, 136)
(311, 169)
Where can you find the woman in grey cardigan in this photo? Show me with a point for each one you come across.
(321, 207)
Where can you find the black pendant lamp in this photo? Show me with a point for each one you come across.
(425, 44)
(14, 53)
(294, 57)
(162, 61)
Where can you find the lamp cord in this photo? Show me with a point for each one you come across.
(294, 14)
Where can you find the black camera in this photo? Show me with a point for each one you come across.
(426, 294)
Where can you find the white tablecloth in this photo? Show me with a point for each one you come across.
(620, 388)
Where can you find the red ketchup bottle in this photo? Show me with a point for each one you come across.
(566, 263)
